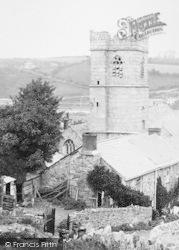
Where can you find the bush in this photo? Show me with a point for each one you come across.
(7, 220)
(85, 245)
(63, 224)
(123, 227)
(100, 179)
(128, 227)
(26, 220)
(70, 203)
(162, 197)
(56, 202)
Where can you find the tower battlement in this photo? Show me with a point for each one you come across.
(104, 41)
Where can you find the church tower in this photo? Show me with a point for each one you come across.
(119, 90)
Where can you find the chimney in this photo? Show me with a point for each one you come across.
(89, 146)
(154, 131)
(66, 123)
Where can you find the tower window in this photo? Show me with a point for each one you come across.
(98, 82)
(117, 70)
(97, 104)
(142, 68)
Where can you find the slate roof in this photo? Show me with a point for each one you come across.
(162, 116)
(136, 155)
(79, 128)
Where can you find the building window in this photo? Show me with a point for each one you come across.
(117, 70)
(142, 68)
(98, 82)
(97, 104)
(69, 147)
(168, 176)
(143, 124)
(138, 184)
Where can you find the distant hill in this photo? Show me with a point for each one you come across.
(71, 76)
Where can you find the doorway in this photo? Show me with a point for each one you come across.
(19, 192)
(99, 201)
(8, 188)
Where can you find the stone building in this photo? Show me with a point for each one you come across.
(119, 90)
(119, 97)
(138, 159)
(71, 137)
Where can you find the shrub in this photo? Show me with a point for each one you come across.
(7, 220)
(162, 198)
(128, 227)
(85, 245)
(70, 203)
(63, 224)
(100, 179)
(56, 202)
(123, 227)
(26, 220)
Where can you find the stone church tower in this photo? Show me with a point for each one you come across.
(119, 90)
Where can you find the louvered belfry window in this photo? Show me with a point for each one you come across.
(117, 70)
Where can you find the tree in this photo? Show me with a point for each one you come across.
(161, 196)
(29, 129)
(101, 179)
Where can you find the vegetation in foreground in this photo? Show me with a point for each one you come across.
(29, 129)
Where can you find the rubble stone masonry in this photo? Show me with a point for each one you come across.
(74, 168)
(101, 217)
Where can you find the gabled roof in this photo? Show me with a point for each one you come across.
(136, 155)
(79, 128)
(7, 179)
(162, 116)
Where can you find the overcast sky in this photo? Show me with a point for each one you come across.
(52, 28)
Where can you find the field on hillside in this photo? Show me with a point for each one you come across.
(71, 78)
(164, 68)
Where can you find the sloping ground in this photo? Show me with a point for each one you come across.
(70, 78)
(78, 73)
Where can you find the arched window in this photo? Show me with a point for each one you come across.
(142, 68)
(68, 147)
(117, 69)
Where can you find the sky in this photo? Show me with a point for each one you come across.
(54, 28)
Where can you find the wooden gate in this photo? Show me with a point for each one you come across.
(8, 202)
(49, 225)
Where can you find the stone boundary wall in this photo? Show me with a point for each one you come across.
(101, 217)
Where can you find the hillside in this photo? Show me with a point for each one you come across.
(71, 76)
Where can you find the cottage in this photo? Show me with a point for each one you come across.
(9, 186)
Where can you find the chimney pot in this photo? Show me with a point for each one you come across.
(154, 131)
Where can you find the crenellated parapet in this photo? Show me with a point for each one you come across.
(104, 41)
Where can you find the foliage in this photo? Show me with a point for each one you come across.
(70, 203)
(174, 195)
(161, 196)
(7, 220)
(101, 179)
(128, 227)
(87, 245)
(29, 129)
(63, 224)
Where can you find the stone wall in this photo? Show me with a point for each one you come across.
(147, 183)
(100, 217)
